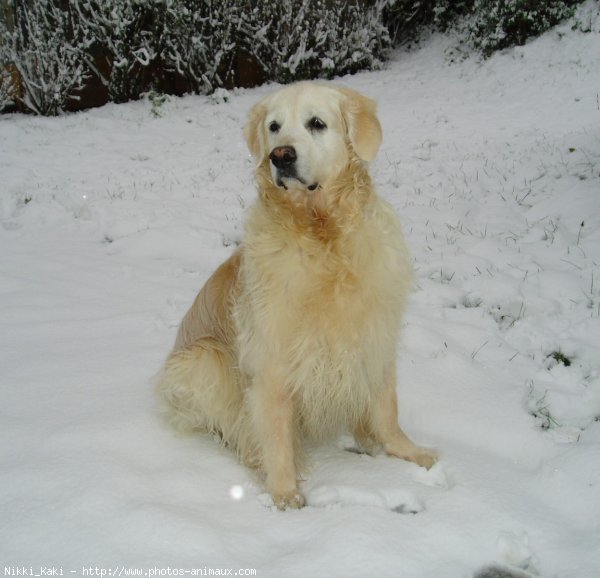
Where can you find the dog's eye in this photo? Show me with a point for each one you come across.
(274, 126)
(315, 123)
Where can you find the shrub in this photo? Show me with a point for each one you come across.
(302, 39)
(492, 24)
(8, 87)
(199, 42)
(500, 24)
(135, 46)
(7, 78)
(122, 40)
(357, 39)
(405, 19)
(40, 47)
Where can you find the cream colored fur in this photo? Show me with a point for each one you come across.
(295, 336)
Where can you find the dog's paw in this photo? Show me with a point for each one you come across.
(424, 457)
(289, 501)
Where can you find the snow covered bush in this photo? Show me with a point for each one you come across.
(7, 86)
(406, 18)
(301, 39)
(500, 24)
(7, 77)
(199, 42)
(357, 39)
(175, 46)
(133, 45)
(41, 48)
(490, 24)
(123, 39)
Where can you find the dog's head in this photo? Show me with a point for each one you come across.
(308, 133)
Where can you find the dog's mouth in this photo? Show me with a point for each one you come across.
(281, 183)
(285, 170)
(289, 179)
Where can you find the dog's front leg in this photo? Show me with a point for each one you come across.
(384, 423)
(273, 415)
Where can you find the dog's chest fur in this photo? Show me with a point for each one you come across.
(324, 306)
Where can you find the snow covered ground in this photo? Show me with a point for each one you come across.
(112, 219)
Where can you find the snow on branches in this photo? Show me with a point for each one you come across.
(39, 46)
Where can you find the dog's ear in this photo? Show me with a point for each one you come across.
(252, 130)
(364, 130)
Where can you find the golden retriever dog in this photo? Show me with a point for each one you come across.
(294, 337)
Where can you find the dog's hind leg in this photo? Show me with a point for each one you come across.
(202, 390)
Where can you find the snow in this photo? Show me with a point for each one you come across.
(112, 219)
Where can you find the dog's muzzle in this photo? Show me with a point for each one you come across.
(284, 160)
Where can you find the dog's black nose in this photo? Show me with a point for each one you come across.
(283, 157)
